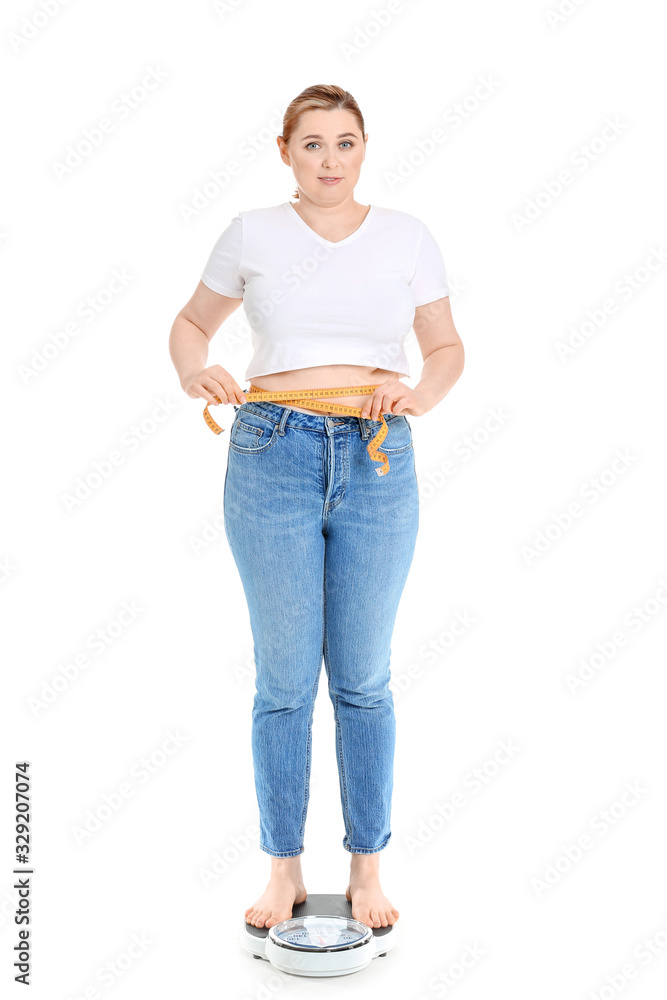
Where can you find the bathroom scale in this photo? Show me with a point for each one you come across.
(321, 938)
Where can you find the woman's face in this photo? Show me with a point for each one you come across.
(325, 144)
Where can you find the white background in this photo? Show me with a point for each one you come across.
(495, 875)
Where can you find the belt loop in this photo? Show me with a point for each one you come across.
(283, 421)
(363, 427)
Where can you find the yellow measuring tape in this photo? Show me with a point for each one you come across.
(308, 396)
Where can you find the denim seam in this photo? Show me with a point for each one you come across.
(350, 428)
(252, 451)
(369, 850)
(249, 408)
(309, 743)
(343, 779)
(249, 427)
(345, 470)
(282, 854)
(334, 699)
(397, 451)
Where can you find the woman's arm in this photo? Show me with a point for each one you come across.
(441, 348)
(192, 331)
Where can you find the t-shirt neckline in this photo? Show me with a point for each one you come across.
(289, 207)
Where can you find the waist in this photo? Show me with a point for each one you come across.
(345, 400)
(321, 412)
(352, 377)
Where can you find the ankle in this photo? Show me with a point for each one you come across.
(367, 869)
(286, 867)
(364, 876)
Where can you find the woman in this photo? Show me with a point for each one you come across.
(322, 544)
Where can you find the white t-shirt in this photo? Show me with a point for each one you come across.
(311, 301)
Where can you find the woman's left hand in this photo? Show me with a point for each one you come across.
(393, 397)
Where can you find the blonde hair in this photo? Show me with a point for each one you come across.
(324, 97)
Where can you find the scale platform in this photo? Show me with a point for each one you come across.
(321, 938)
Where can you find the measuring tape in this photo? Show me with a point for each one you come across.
(300, 396)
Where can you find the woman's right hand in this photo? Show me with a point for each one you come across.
(212, 382)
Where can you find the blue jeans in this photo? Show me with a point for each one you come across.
(323, 546)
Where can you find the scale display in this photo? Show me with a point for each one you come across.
(321, 932)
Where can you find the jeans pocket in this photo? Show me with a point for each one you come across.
(399, 434)
(252, 432)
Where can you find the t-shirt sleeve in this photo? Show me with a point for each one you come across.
(223, 270)
(429, 279)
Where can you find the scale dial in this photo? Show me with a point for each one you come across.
(320, 933)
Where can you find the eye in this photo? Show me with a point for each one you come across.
(345, 142)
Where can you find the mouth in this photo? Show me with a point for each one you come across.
(330, 180)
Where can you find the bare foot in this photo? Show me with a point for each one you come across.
(369, 903)
(283, 890)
